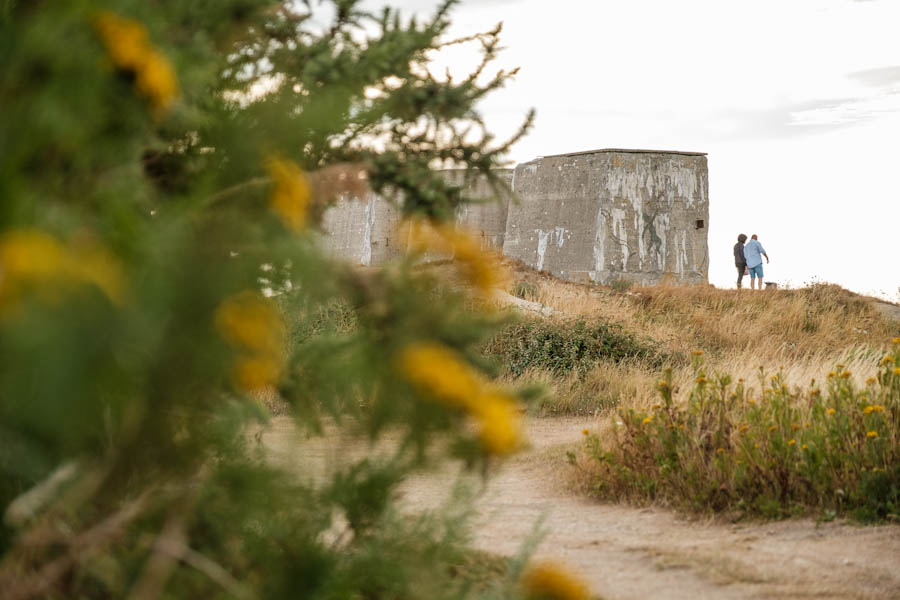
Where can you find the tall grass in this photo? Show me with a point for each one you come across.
(796, 332)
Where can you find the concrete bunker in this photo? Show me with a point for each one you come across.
(603, 215)
(600, 216)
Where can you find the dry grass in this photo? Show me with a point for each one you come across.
(802, 333)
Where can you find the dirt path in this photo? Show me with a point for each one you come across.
(628, 553)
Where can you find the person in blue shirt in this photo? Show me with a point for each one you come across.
(753, 252)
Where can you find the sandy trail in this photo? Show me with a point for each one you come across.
(630, 553)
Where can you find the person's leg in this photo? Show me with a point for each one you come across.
(756, 275)
(740, 278)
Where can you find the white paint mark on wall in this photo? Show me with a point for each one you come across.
(543, 238)
(621, 234)
(366, 258)
(599, 248)
(559, 233)
(661, 227)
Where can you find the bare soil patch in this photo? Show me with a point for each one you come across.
(635, 553)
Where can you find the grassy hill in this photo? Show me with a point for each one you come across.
(802, 333)
(765, 403)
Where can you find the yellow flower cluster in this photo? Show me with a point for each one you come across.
(896, 341)
(291, 195)
(830, 411)
(32, 261)
(440, 373)
(647, 420)
(551, 581)
(130, 50)
(481, 268)
(872, 434)
(873, 408)
(887, 360)
(896, 370)
(253, 328)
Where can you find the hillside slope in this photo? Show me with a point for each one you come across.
(802, 332)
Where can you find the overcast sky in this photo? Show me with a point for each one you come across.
(797, 103)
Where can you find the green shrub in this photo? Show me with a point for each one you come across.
(562, 347)
(621, 285)
(163, 168)
(526, 290)
(775, 454)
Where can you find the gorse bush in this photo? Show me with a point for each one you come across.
(562, 347)
(161, 165)
(830, 448)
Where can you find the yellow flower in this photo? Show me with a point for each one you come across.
(28, 259)
(480, 267)
(697, 353)
(804, 447)
(441, 373)
(130, 50)
(647, 420)
(500, 422)
(773, 378)
(34, 261)
(895, 341)
(871, 381)
(896, 370)
(816, 392)
(551, 581)
(585, 432)
(256, 372)
(743, 428)
(125, 40)
(873, 408)
(701, 380)
(89, 262)
(871, 434)
(720, 450)
(887, 360)
(831, 374)
(756, 446)
(845, 374)
(656, 406)
(663, 384)
(291, 195)
(830, 411)
(791, 442)
(156, 80)
(740, 380)
(253, 328)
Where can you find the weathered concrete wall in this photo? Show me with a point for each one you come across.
(487, 216)
(612, 214)
(362, 230)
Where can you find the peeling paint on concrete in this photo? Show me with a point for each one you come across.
(598, 216)
(631, 214)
